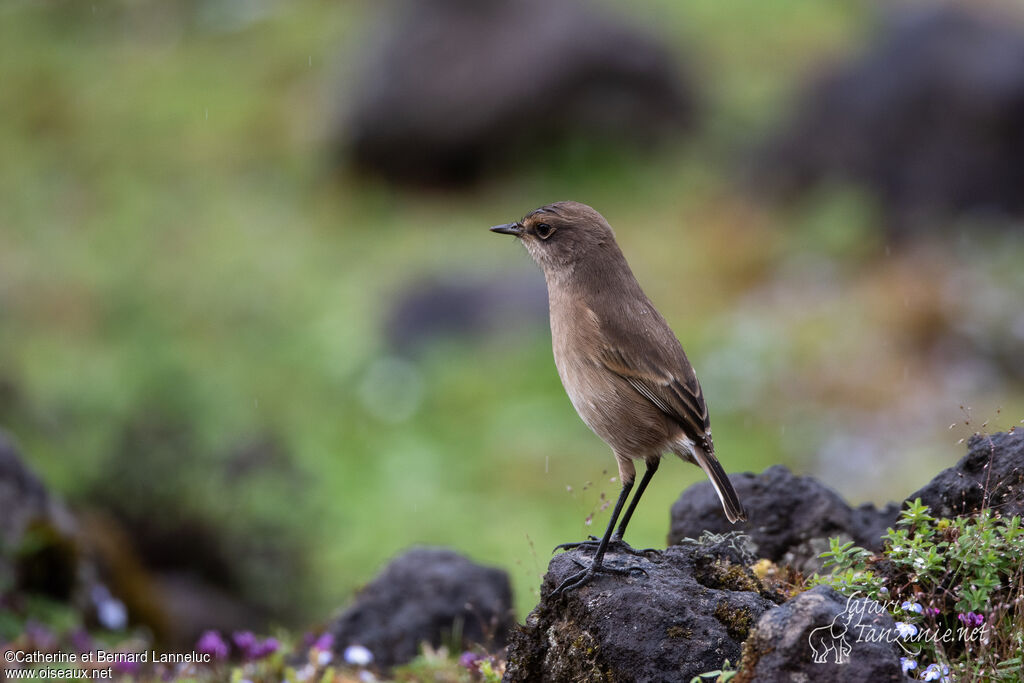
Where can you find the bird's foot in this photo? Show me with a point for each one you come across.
(587, 573)
(615, 545)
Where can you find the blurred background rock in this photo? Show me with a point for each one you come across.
(927, 119)
(253, 327)
(458, 88)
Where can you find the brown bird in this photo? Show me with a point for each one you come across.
(623, 368)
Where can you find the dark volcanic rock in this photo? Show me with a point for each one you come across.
(42, 550)
(928, 119)
(991, 474)
(259, 561)
(28, 509)
(821, 635)
(427, 595)
(685, 616)
(790, 518)
(459, 87)
(427, 311)
(23, 497)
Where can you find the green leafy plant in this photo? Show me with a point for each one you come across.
(726, 673)
(959, 577)
(850, 572)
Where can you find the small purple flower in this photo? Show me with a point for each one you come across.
(245, 641)
(324, 642)
(252, 648)
(267, 648)
(81, 640)
(971, 619)
(126, 668)
(932, 611)
(322, 651)
(211, 643)
(41, 637)
(908, 664)
(470, 660)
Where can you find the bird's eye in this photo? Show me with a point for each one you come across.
(543, 230)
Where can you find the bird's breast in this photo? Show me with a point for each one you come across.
(604, 401)
(575, 337)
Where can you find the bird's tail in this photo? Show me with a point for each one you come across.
(723, 487)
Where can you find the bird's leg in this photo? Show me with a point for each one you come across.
(652, 467)
(616, 541)
(597, 565)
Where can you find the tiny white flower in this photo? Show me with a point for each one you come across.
(113, 614)
(906, 630)
(358, 655)
(909, 606)
(110, 612)
(935, 672)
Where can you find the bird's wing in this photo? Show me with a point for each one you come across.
(652, 361)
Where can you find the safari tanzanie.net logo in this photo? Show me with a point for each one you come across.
(859, 622)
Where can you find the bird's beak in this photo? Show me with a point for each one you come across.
(509, 229)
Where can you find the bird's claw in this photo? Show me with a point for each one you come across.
(573, 582)
(583, 577)
(615, 545)
(591, 541)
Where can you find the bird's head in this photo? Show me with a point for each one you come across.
(560, 235)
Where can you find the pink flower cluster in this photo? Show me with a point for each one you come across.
(249, 646)
(971, 619)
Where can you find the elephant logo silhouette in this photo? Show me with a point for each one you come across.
(832, 639)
